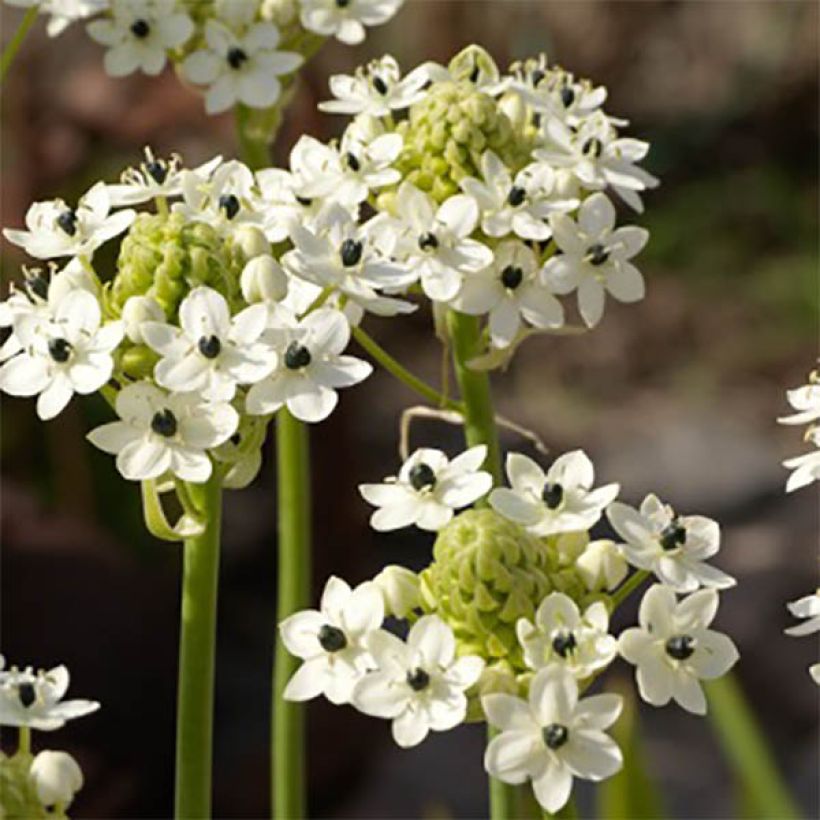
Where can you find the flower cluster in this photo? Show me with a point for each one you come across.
(805, 401)
(237, 49)
(510, 623)
(43, 785)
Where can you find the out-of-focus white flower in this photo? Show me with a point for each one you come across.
(139, 34)
(428, 488)
(806, 467)
(806, 401)
(673, 649)
(56, 777)
(54, 229)
(345, 19)
(63, 12)
(807, 607)
(240, 68)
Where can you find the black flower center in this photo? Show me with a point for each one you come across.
(67, 221)
(230, 204)
(593, 147)
(673, 535)
(421, 476)
(59, 350)
(418, 679)
(516, 196)
(342, 4)
(157, 170)
(428, 241)
(303, 200)
(297, 356)
(27, 694)
(351, 252)
(511, 277)
(567, 96)
(555, 735)
(209, 346)
(236, 57)
(380, 85)
(235, 439)
(164, 423)
(598, 254)
(537, 76)
(140, 29)
(680, 647)
(352, 162)
(564, 643)
(553, 495)
(332, 639)
(37, 284)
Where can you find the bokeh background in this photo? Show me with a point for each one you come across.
(677, 395)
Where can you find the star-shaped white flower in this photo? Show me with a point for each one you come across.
(562, 635)
(521, 205)
(512, 290)
(139, 34)
(420, 684)
(332, 641)
(436, 242)
(807, 607)
(594, 258)
(36, 699)
(552, 737)
(211, 352)
(428, 488)
(69, 353)
(161, 432)
(673, 648)
(560, 500)
(346, 19)
(240, 68)
(673, 547)
(375, 89)
(310, 368)
(54, 229)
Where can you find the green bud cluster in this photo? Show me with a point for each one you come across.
(18, 796)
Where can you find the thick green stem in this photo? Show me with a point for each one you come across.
(10, 52)
(628, 587)
(197, 650)
(288, 730)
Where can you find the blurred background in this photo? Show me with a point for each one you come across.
(677, 394)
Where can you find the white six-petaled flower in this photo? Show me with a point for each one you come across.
(427, 489)
(420, 684)
(346, 20)
(560, 500)
(332, 641)
(673, 648)
(552, 737)
(807, 607)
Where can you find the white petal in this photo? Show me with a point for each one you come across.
(508, 756)
(553, 787)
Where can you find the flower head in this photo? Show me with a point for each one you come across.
(345, 19)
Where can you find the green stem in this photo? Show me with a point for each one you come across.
(288, 731)
(10, 51)
(24, 741)
(197, 649)
(628, 587)
(401, 373)
(746, 749)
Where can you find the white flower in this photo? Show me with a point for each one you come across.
(238, 68)
(375, 89)
(310, 368)
(561, 635)
(63, 12)
(671, 546)
(601, 565)
(807, 466)
(560, 500)
(519, 206)
(511, 289)
(552, 737)
(35, 700)
(155, 178)
(427, 489)
(345, 19)
(332, 642)
(673, 649)
(807, 607)
(436, 242)
(210, 352)
(420, 684)
(806, 401)
(164, 432)
(400, 589)
(594, 258)
(54, 229)
(139, 35)
(340, 254)
(56, 778)
(136, 311)
(69, 353)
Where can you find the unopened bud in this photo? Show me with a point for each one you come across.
(263, 280)
(400, 589)
(56, 777)
(601, 565)
(139, 309)
(251, 241)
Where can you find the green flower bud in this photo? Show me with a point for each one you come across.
(164, 256)
(18, 794)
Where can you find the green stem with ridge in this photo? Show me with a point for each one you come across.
(197, 652)
(10, 51)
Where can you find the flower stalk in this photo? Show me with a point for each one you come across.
(10, 52)
(197, 650)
